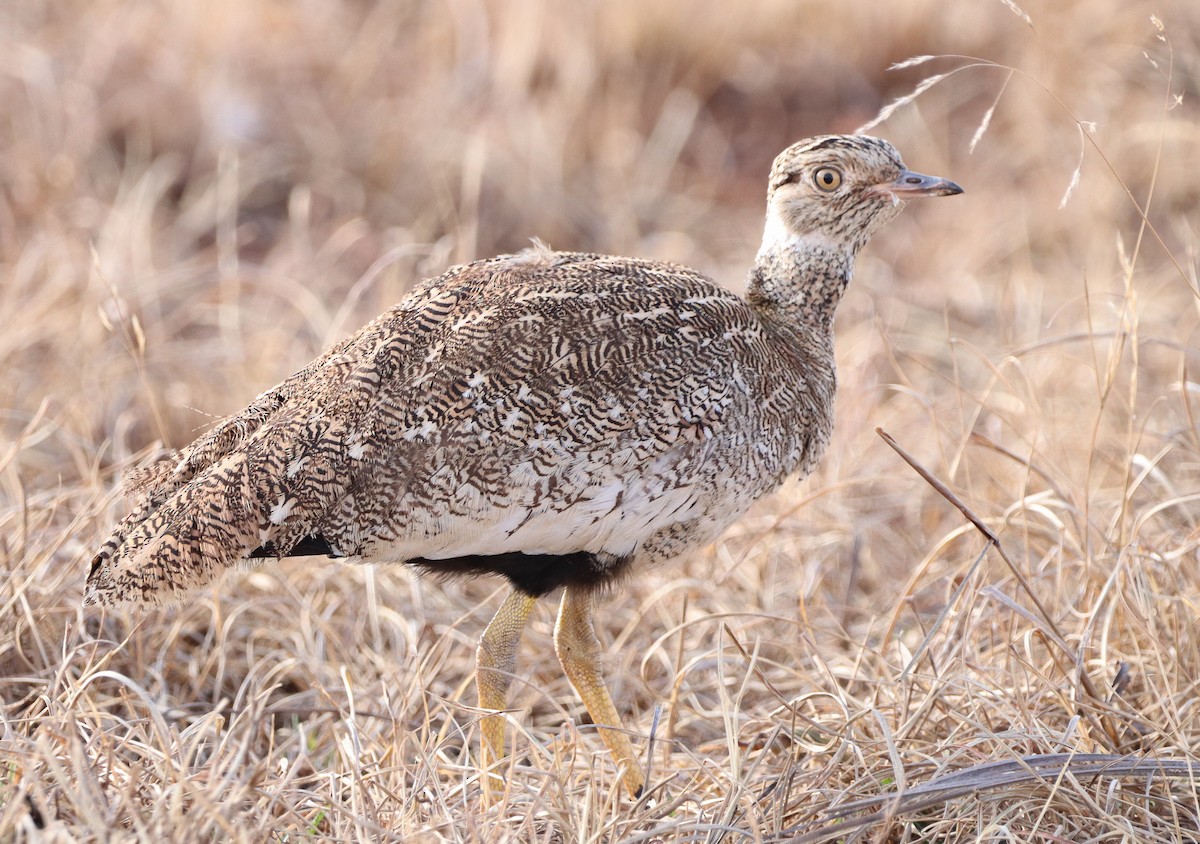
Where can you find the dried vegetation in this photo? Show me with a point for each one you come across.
(196, 197)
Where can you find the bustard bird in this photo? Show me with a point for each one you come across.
(556, 418)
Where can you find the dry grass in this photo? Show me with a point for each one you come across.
(196, 197)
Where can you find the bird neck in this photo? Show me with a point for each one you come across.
(799, 278)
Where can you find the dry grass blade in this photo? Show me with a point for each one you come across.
(986, 120)
(1043, 769)
(1045, 617)
(1018, 11)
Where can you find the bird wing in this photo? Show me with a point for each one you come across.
(530, 402)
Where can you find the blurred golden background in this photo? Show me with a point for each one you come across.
(197, 197)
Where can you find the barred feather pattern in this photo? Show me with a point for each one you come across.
(543, 402)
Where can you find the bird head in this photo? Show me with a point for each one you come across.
(836, 191)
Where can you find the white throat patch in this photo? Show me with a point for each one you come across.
(778, 238)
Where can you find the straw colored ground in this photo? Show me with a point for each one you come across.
(196, 197)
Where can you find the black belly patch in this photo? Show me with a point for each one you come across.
(309, 546)
(533, 574)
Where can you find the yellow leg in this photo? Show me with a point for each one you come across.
(579, 652)
(494, 663)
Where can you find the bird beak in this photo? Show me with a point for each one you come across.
(909, 184)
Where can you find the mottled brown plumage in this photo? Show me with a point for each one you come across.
(553, 417)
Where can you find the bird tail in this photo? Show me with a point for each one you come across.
(180, 540)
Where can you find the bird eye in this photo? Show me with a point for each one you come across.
(827, 179)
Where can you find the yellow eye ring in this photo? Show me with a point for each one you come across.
(827, 179)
